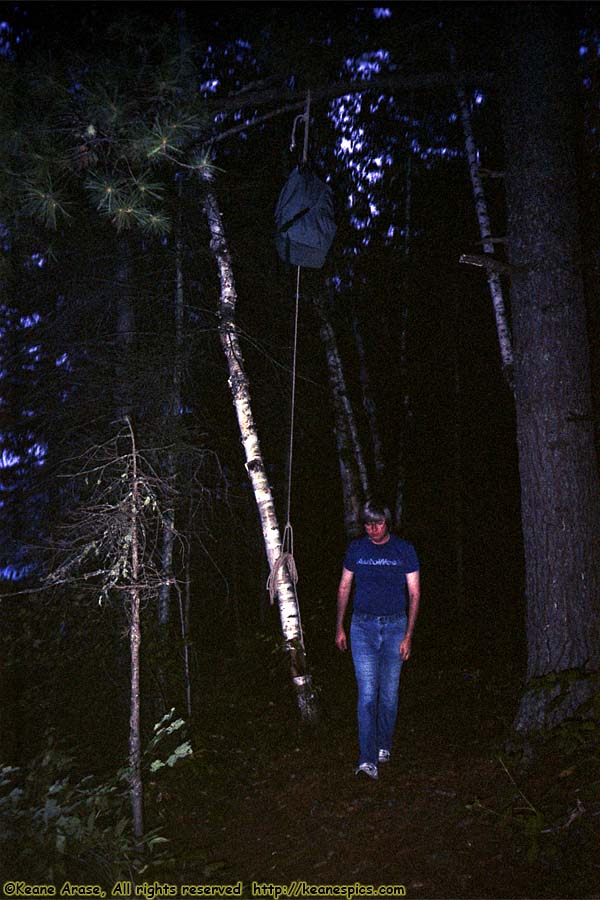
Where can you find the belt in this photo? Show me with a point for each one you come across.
(369, 617)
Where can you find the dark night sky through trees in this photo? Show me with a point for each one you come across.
(462, 428)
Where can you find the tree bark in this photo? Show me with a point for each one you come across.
(560, 494)
(485, 230)
(353, 471)
(289, 610)
(135, 640)
(369, 403)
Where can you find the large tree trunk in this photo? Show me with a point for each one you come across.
(289, 609)
(560, 494)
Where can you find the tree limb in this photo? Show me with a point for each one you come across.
(398, 83)
(487, 262)
(490, 173)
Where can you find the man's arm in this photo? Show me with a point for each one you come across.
(342, 604)
(414, 595)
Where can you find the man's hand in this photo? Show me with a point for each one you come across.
(405, 647)
(342, 603)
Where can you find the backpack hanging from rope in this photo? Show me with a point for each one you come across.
(304, 212)
(305, 231)
(304, 220)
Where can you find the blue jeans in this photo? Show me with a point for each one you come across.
(375, 643)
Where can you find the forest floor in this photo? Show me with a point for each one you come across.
(455, 814)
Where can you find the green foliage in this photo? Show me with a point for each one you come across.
(167, 726)
(562, 767)
(168, 138)
(105, 118)
(125, 203)
(44, 203)
(578, 738)
(562, 680)
(518, 813)
(54, 827)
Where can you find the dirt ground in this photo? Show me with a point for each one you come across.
(457, 813)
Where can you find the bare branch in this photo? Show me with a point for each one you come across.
(393, 83)
(293, 100)
(487, 262)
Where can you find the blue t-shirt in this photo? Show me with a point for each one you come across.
(380, 574)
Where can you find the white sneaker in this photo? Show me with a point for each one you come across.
(384, 756)
(369, 769)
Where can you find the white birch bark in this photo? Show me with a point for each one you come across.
(341, 397)
(349, 480)
(495, 286)
(135, 640)
(369, 402)
(289, 610)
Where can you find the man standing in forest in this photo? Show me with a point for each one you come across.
(386, 569)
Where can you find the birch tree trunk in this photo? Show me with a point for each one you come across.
(289, 610)
(135, 640)
(560, 493)
(369, 403)
(353, 471)
(485, 231)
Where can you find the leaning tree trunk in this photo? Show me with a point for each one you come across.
(560, 494)
(289, 609)
(485, 230)
(353, 471)
(369, 403)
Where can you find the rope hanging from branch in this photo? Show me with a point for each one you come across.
(305, 231)
(305, 224)
(286, 557)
